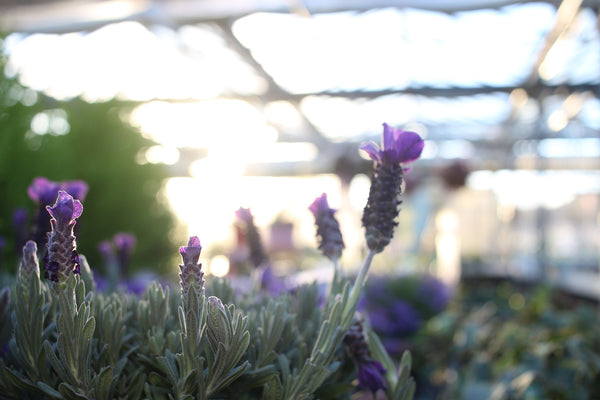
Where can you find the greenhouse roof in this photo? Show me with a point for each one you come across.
(479, 79)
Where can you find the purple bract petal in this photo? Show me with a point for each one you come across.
(389, 137)
(371, 375)
(398, 146)
(408, 146)
(65, 209)
(191, 252)
(320, 204)
(372, 150)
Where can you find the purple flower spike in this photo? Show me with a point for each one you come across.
(62, 257)
(191, 271)
(383, 204)
(244, 214)
(329, 235)
(29, 262)
(370, 373)
(258, 255)
(398, 147)
(124, 244)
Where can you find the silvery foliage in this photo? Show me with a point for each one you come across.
(72, 342)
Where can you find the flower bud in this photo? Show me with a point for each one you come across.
(370, 373)
(329, 235)
(191, 271)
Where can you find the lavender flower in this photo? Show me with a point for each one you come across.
(44, 193)
(370, 373)
(329, 236)
(124, 245)
(252, 236)
(191, 271)
(379, 216)
(29, 263)
(435, 293)
(397, 319)
(272, 283)
(106, 250)
(62, 257)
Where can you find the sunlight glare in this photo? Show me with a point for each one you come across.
(218, 266)
(201, 124)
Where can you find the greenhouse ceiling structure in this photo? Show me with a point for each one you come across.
(504, 84)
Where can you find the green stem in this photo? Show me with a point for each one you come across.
(357, 289)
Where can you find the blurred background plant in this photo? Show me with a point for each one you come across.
(509, 340)
(397, 307)
(68, 140)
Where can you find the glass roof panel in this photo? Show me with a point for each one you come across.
(397, 48)
(131, 61)
(345, 119)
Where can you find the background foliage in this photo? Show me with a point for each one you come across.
(99, 148)
(508, 340)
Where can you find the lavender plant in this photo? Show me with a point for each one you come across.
(203, 341)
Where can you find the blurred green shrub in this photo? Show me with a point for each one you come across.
(66, 140)
(508, 341)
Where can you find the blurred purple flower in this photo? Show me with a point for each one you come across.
(371, 375)
(258, 256)
(272, 283)
(138, 284)
(370, 372)
(244, 214)
(43, 191)
(106, 250)
(77, 188)
(124, 245)
(101, 282)
(329, 235)
(399, 318)
(435, 293)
